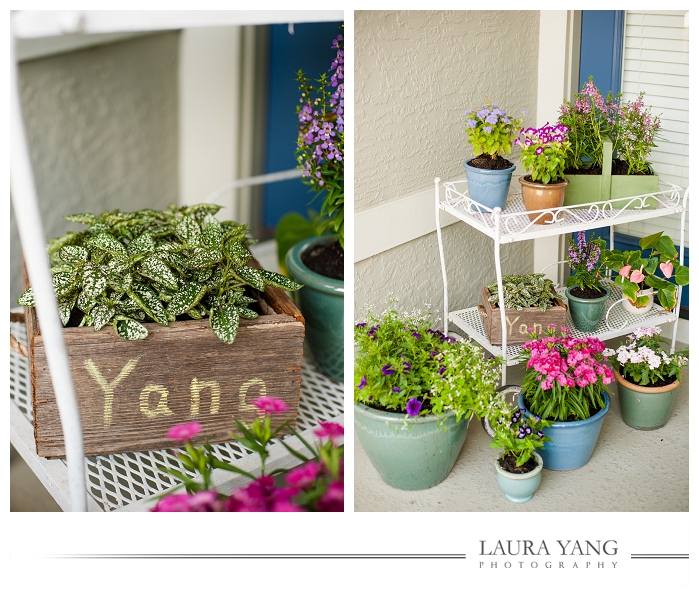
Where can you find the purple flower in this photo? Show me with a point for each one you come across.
(416, 335)
(413, 407)
(539, 150)
(442, 370)
(407, 366)
(396, 389)
(387, 370)
(492, 118)
(482, 113)
(362, 383)
(361, 325)
(488, 129)
(471, 124)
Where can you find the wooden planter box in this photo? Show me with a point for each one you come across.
(518, 321)
(131, 392)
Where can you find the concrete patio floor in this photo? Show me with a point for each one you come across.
(630, 471)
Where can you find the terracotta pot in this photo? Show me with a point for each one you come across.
(643, 407)
(538, 196)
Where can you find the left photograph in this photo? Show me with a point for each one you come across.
(177, 261)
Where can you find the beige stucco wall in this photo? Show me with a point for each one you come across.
(102, 130)
(416, 72)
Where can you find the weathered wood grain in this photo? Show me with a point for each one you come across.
(518, 322)
(130, 393)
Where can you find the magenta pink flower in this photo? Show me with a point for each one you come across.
(636, 276)
(270, 405)
(184, 432)
(202, 501)
(329, 430)
(303, 475)
(625, 271)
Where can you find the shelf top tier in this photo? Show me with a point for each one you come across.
(513, 224)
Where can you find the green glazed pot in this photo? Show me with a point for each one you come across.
(587, 313)
(520, 487)
(417, 457)
(642, 407)
(321, 302)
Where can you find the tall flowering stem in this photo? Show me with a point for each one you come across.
(564, 377)
(321, 139)
(584, 258)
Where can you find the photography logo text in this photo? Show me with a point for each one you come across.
(586, 554)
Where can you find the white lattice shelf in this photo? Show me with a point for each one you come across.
(126, 481)
(619, 323)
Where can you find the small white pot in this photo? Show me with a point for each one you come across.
(640, 310)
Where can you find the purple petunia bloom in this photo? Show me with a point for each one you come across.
(413, 407)
(407, 366)
(387, 370)
(442, 370)
(539, 150)
(361, 325)
(416, 335)
(362, 383)
(396, 389)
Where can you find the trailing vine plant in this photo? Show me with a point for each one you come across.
(129, 268)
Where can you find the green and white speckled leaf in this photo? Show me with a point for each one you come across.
(212, 235)
(101, 315)
(224, 323)
(156, 269)
(74, 254)
(237, 253)
(188, 230)
(203, 275)
(279, 281)
(244, 300)
(161, 231)
(83, 218)
(185, 298)
(94, 281)
(233, 231)
(65, 307)
(247, 313)
(194, 313)
(63, 283)
(85, 303)
(252, 276)
(106, 242)
(148, 301)
(26, 299)
(121, 283)
(55, 244)
(204, 258)
(143, 245)
(128, 329)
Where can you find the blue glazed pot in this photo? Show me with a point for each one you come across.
(520, 487)
(489, 187)
(321, 302)
(572, 442)
(417, 457)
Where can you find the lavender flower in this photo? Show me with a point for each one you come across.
(387, 370)
(413, 407)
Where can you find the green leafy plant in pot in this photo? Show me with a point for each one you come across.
(637, 275)
(647, 378)
(587, 297)
(415, 393)
(130, 268)
(517, 434)
(318, 261)
(491, 132)
(544, 153)
(564, 382)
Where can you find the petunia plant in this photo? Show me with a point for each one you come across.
(544, 152)
(638, 270)
(129, 268)
(404, 365)
(316, 484)
(516, 434)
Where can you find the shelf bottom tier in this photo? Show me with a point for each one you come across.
(618, 323)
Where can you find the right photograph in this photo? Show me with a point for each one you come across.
(521, 263)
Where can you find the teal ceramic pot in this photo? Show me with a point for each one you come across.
(321, 302)
(642, 407)
(572, 442)
(489, 187)
(418, 457)
(587, 314)
(520, 487)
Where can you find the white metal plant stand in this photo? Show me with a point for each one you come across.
(127, 479)
(513, 225)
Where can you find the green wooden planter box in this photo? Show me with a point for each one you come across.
(588, 188)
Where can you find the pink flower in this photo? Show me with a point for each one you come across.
(636, 276)
(330, 430)
(625, 271)
(303, 475)
(666, 268)
(184, 431)
(334, 498)
(202, 501)
(270, 405)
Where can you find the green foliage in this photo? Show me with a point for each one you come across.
(637, 270)
(516, 435)
(523, 291)
(129, 268)
(403, 365)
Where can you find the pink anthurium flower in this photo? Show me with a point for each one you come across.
(625, 271)
(636, 276)
(666, 268)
